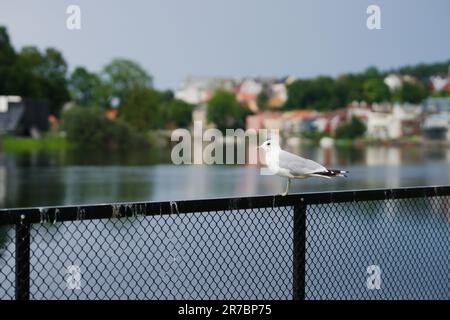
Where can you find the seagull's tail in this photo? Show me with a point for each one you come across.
(332, 173)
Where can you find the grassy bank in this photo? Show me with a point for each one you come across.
(47, 142)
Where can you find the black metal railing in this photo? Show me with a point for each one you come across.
(371, 244)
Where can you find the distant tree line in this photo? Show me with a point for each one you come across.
(122, 84)
(125, 85)
(33, 73)
(326, 93)
(423, 71)
(44, 75)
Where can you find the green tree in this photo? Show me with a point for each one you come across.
(375, 90)
(122, 75)
(142, 109)
(319, 94)
(411, 92)
(296, 95)
(29, 81)
(7, 61)
(167, 96)
(42, 76)
(225, 111)
(354, 129)
(262, 99)
(371, 73)
(54, 73)
(423, 71)
(85, 87)
(348, 89)
(178, 112)
(89, 128)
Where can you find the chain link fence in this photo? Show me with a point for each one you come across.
(383, 244)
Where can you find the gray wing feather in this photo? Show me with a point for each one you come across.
(298, 165)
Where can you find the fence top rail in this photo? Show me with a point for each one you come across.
(127, 209)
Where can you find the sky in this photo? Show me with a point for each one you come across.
(173, 39)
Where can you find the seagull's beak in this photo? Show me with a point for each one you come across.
(259, 147)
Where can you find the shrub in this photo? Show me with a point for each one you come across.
(354, 129)
(89, 128)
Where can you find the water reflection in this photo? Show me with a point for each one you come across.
(63, 178)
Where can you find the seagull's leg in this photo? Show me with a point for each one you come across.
(287, 187)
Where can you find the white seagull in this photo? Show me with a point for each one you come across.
(291, 166)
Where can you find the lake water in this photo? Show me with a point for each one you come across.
(70, 178)
(231, 254)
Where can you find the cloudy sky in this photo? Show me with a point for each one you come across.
(176, 38)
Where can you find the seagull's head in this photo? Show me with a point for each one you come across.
(269, 145)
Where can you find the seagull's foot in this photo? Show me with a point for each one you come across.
(287, 188)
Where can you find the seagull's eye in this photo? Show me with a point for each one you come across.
(268, 144)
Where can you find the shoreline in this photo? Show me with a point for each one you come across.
(59, 143)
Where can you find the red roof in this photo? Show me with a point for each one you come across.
(246, 97)
(301, 113)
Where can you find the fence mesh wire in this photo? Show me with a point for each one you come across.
(241, 254)
(407, 241)
(7, 262)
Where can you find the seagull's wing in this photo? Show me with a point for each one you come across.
(299, 166)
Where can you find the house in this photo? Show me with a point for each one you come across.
(436, 105)
(328, 122)
(385, 121)
(436, 118)
(301, 121)
(278, 91)
(23, 116)
(278, 95)
(274, 123)
(247, 93)
(263, 120)
(437, 126)
(407, 118)
(359, 110)
(193, 90)
(250, 88)
(395, 81)
(439, 84)
(197, 90)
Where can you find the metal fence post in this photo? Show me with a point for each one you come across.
(22, 281)
(299, 250)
